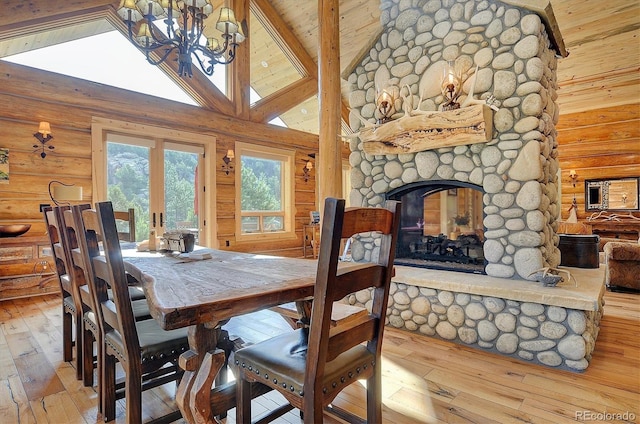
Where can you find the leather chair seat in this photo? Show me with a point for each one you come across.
(282, 360)
(135, 292)
(154, 341)
(139, 305)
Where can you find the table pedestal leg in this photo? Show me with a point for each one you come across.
(202, 339)
(188, 362)
(200, 398)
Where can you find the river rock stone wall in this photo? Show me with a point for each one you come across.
(548, 335)
(517, 168)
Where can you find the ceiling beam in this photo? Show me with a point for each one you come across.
(284, 37)
(23, 15)
(29, 18)
(291, 46)
(59, 92)
(284, 99)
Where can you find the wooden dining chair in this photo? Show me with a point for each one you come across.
(311, 365)
(148, 354)
(71, 309)
(80, 273)
(126, 219)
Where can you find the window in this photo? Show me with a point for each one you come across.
(264, 204)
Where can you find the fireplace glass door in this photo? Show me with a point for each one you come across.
(441, 228)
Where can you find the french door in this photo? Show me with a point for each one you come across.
(162, 179)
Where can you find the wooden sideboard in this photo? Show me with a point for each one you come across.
(26, 267)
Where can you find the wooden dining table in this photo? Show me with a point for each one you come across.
(204, 294)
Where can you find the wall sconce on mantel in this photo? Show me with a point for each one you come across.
(574, 176)
(43, 136)
(451, 86)
(385, 105)
(228, 157)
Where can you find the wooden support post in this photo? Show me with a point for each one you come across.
(330, 160)
(238, 75)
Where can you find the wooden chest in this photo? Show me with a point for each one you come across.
(579, 250)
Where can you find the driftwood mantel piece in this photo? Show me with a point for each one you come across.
(410, 134)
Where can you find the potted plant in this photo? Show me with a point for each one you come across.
(461, 221)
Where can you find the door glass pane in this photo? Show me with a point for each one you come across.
(180, 191)
(128, 182)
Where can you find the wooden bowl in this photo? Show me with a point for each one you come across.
(14, 230)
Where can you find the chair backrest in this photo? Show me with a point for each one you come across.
(110, 271)
(107, 272)
(334, 283)
(53, 219)
(128, 217)
(74, 236)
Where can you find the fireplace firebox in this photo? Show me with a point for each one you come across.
(441, 226)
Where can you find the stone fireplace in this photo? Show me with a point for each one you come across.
(507, 56)
(517, 168)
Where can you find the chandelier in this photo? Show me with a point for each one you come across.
(189, 32)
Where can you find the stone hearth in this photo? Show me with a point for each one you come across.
(552, 326)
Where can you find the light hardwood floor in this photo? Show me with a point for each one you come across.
(425, 380)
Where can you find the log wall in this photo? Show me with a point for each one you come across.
(28, 96)
(602, 143)
(597, 144)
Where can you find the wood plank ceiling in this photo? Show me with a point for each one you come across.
(602, 69)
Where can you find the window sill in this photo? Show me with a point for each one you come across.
(276, 235)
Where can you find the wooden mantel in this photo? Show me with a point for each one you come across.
(468, 125)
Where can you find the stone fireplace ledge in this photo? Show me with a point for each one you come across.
(586, 296)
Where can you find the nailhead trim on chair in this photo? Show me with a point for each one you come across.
(91, 324)
(69, 307)
(145, 358)
(334, 384)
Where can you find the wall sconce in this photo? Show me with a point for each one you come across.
(385, 106)
(43, 136)
(228, 157)
(574, 176)
(306, 171)
(66, 192)
(450, 87)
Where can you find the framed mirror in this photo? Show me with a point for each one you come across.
(616, 194)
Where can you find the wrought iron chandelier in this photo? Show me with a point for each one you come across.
(191, 34)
